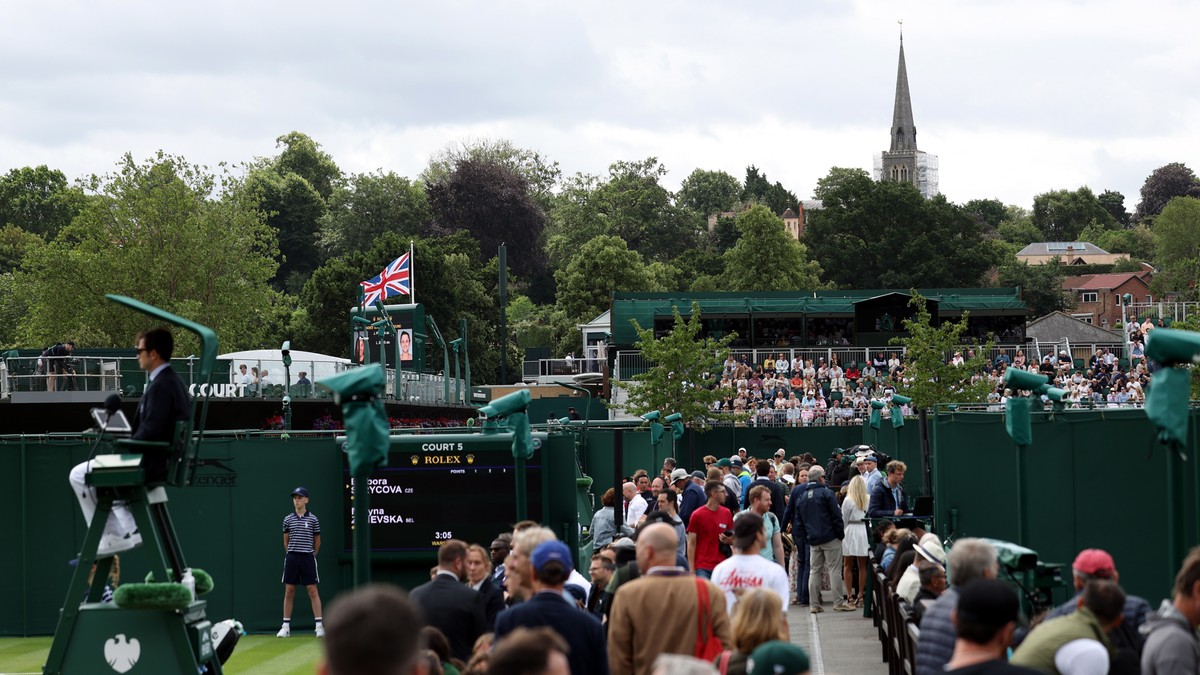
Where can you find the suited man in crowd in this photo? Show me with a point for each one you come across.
(550, 565)
(164, 404)
(449, 605)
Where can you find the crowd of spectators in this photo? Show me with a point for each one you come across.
(1100, 381)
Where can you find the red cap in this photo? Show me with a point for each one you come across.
(1094, 562)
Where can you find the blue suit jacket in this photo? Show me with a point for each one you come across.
(165, 402)
(883, 502)
(581, 630)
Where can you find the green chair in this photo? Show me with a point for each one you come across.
(1079, 364)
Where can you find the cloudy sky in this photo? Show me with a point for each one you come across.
(1016, 97)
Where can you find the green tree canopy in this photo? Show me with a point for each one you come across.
(540, 174)
(14, 242)
(1041, 285)
(155, 231)
(1137, 241)
(38, 200)
(294, 209)
(1062, 214)
(929, 377)
(1164, 184)
(761, 191)
(304, 157)
(709, 192)
(886, 235)
(680, 379)
(1178, 253)
(603, 265)
(766, 258)
(1114, 203)
(989, 212)
(369, 205)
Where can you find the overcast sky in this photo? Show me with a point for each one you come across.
(1016, 97)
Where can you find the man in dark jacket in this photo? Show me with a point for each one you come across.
(451, 606)
(887, 497)
(550, 565)
(766, 477)
(817, 519)
(692, 494)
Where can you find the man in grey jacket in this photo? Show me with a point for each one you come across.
(1172, 645)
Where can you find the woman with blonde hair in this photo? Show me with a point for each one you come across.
(757, 619)
(854, 545)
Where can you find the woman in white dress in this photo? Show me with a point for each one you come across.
(854, 545)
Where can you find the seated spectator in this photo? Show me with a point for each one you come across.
(969, 560)
(933, 584)
(1076, 644)
(984, 618)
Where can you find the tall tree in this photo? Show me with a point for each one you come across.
(989, 212)
(630, 203)
(154, 232)
(369, 205)
(604, 264)
(1164, 184)
(1178, 253)
(759, 189)
(14, 242)
(1041, 285)
(492, 203)
(1137, 241)
(38, 200)
(1114, 203)
(540, 174)
(766, 258)
(1062, 214)
(886, 235)
(709, 192)
(678, 380)
(929, 377)
(304, 157)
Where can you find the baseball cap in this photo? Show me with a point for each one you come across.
(870, 458)
(303, 492)
(780, 452)
(678, 475)
(624, 543)
(698, 474)
(736, 461)
(548, 551)
(1094, 562)
(723, 462)
(777, 658)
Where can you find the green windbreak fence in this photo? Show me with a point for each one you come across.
(1091, 479)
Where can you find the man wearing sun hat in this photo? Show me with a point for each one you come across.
(551, 565)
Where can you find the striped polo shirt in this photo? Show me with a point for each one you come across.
(301, 530)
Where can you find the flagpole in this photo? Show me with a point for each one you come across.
(412, 274)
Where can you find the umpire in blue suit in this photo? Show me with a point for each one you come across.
(164, 403)
(450, 605)
(551, 563)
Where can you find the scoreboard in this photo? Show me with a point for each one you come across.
(435, 488)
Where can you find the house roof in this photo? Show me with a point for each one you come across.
(1105, 282)
(1057, 325)
(1062, 248)
(789, 213)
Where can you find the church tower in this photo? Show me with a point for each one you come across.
(903, 161)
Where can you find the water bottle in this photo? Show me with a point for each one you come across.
(189, 582)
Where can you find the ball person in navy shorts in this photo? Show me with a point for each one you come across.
(301, 541)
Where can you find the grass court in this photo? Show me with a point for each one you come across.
(255, 655)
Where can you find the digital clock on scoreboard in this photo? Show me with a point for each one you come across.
(436, 488)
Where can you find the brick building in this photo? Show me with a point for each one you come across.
(1098, 297)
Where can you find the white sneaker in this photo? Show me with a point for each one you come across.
(110, 544)
(286, 631)
(320, 631)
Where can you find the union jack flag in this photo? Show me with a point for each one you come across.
(393, 280)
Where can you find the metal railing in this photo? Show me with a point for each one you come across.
(61, 373)
(1168, 311)
(532, 371)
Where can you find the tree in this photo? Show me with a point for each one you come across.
(293, 208)
(709, 192)
(1041, 285)
(1114, 203)
(630, 204)
(759, 190)
(1137, 241)
(14, 242)
(604, 264)
(679, 380)
(886, 235)
(369, 205)
(492, 203)
(766, 258)
(1166, 183)
(929, 378)
(12, 308)
(540, 175)
(168, 233)
(38, 200)
(989, 212)
(303, 156)
(1062, 214)
(1017, 227)
(1178, 254)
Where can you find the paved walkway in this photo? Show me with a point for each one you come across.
(838, 643)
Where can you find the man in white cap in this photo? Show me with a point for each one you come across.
(692, 495)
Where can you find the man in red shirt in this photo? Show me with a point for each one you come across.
(710, 526)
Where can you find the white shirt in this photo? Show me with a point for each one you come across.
(743, 572)
(637, 508)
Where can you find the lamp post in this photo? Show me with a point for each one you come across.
(286, 353)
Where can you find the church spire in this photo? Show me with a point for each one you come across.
(904, 132)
